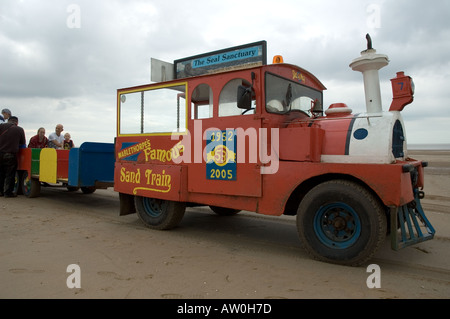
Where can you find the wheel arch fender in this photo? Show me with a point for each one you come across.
(301, 189)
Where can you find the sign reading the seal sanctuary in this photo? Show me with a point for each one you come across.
(235, 58)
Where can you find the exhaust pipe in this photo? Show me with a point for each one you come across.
(369, 63)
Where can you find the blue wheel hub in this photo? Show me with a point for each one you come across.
(154, 207)
(337, 225)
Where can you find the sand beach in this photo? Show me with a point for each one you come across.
(206, 257)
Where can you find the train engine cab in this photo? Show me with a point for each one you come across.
(226, 130)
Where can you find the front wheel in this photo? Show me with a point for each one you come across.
(341, 222)
(159, 214)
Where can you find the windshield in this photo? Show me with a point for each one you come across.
(283, 96)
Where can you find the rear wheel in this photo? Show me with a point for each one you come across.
(341, 222)
(159, 214)
(222, 211)
(88, 190)
(31, 187)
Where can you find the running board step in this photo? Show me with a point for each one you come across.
(409, 225)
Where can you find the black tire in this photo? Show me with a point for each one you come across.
(31, 187)
(222, 211)
(159, 214)
(88, 190)
(341, 222)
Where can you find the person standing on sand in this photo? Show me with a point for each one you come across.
(6, 114)
(12, 137)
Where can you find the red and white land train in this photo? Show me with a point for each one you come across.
(347, 177)
(186, 141)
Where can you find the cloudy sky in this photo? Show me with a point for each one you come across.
(61, 61)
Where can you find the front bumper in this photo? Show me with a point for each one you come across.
(409, 225)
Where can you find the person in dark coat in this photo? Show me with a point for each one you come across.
(12, 138)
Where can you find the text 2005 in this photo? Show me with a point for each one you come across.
(216, 173)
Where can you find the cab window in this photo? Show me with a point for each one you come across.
(202, 102)
(228, 98)
(158, 110)
(284, 96)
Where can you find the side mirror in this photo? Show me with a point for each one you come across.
(316, 108)
(244, 97)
